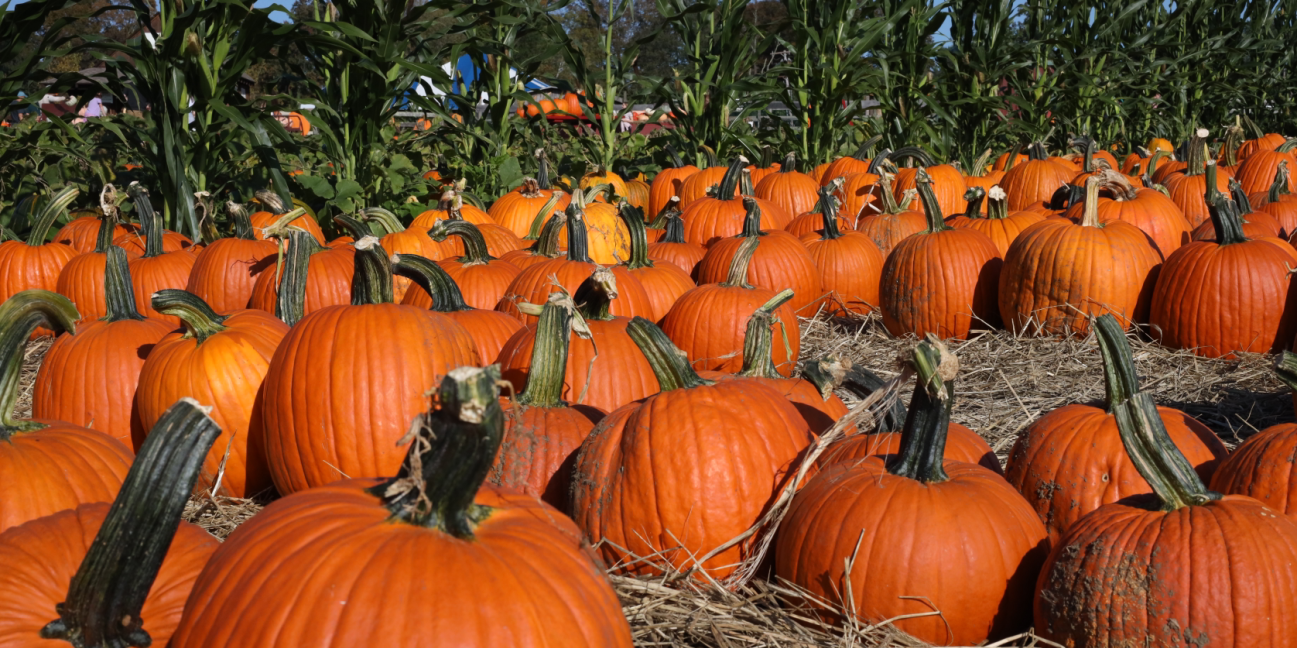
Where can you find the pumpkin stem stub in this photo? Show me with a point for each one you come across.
(57, 204)
(931, 208)
(923, 440)
(20, 315)
(107, 593)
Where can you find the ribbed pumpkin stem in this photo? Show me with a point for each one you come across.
(538, 223)
(1279, 187)
(355, 228)
(1197, 156)
(1225, 218)
(1145, 438)
(454, 445)
(1090, 211)
(1154, 159)
(549, 353)
(542, 170)
(294, 266)
(974, 198)
(150, 222)
(931, 208)
(1013, 157)
(738, 274)
(672, 208)
(745, 184)
(879, 165)
(1229, 147)
(445, 293)
(118, 294)
(1240, 197)
(387, 221)
(670, 365)
(912, 154)
(826, 373)
(372, 282)
(594, 296)
(828, 206)
(923, 440)
(866, 148)
(578, 243)
(107, 594)
(886, 196)
(674, 156)
(789, 164)
(242, 221)
(638, 236)
(20, 315)
(752, 219)
(758, 340)
(674, 229)
(730, 181)
(997, 203)
(1088, 148)
(107, 228)
(1036, 151)
(451, 203)
(475, 250)
(1288, 146)
(862, 383)
(979, 165)
(1209, 169)
(201, 322)
(51, 210)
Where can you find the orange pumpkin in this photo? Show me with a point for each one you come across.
(997, 224)
(517, 210)
(885, 221)
(1034, 180)
(849, 263)
(664, 282)
(482, 279)
(668, 182)
(673, 248)
(322, 274)
(35, 264)
(1187, 188)
(794, 192)
(1148, 209)
(156, 269)
(712, 218)
(781, 262)
(225, 271)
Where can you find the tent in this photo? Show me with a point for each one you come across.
(464, 72)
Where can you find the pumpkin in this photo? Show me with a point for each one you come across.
(482, 279)
(604, 177)
(811, 223)
(1279, 202)
(400, 240)
(47, 465)
(543, 431)
(941, 279)
(1255, 224)
(1201, 304)
(220, 361)
(1157, 172)
(698, 185)
(1133, 572)
(545, 246)
(951, 536)
(1260, 468)
(1136, 161)
(744, 439)
(607, 239)
(225, 271)
(82, 233)
(535, 282)
(35, 264)
(88, 378)
(324, 274)
(860, 195)
(1093, 160)
(517, 210)
(667, 183)
(850, 264)
(490, 329)
(1188, 188)
(893, 223)
(996, 223)
(1008, 159)
(780, 262)
(82, 278)
(637, 192)
(113, 574)
(857, 162)
(524, 566)
(1034, 180)
(708, 322)
(1262, 142)
(1258, 171)
(673, 248)
(604, 368)
(947, 185)
(794, 192)
(264, 220)
(451, 206)
(1148, 209)
(710, 219)
(663, 281)
(336, 407)
(156, 269)
(1058, 275)
(1070, 461)
(979, 176)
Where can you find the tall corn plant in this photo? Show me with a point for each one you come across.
(911, 114)
(187, 73)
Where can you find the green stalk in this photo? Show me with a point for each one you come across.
(1279, 187)
(672, 209)
(758, 339)
(446, 296)
(48, 213)
(1240, 197)
(1143, 434)
(738, 273)
(751, 219)
(1197, 156)
(578, 242)
(997, 203)
(242, 222)
(1226, 221)
(387, 221)
(150, 222)
(201, 322)
(549, 353)
(730, 181)
(20, 316)
(536, 223)
(974, 197)
(118, 293)
(107, 594)
(669, 363)
(453, 450)
(475, 252)
(372, 282)
(355, 228)
(674, 229)
(923, 440)
(594, 296)
(1285, 369)
(638, 237)
(828, 206)
(931, 208)
(290, 303)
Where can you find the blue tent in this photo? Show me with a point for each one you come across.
(464, 73)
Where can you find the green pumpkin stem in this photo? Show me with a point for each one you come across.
(475, 251)
(1036, 151)
(1013, 157)
(107, 594)
(866, 148)
(1088, 148)
(1240, 197)
(1285, 369)
(828, 206)
(594, 296)
(826, 373)
(931, 208)
(445, 293)
(745, 184)
(738, 274)
(674, 156)
(1226, 220)
(50, 211)
(923, 440)
(107, 230)
(549, 353)
(885, 195)
(546, 244)
(1229, 146)
(979, 165)
(1288, 146)
(669, 364)
(1154, 159)
(453, 448)
(997, 203)
(758, 340)
(294, 266)
(578, 242)
(150, 221)
(118, 293)
(862, 383)
(789, 165)
(1144, 436)
(242, 221)
(730, 181)
(878, 166)
(1279, 187)
(20, 315)
(634, 220)
(542, 170)
(673, 231)
(201, 322)
(1090, 209)
(372, 282)
(974, 198)
(355, 228)
(387, 221)
(672, 208)
(546, 210)
(1197, 155)
(912, 154)
(1209, 169)
(751, 219)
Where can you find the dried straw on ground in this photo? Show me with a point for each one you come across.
(1005, 383)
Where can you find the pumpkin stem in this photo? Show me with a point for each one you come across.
(828, 206)
(542, 171)
(923, 440)
(672, 208)
(1279, 187)
(355, 228)
(537, 223)
(201, 322)
(758, 340)
(454, 445)
(48, 212)
(931, 208)
(670, 365)
(549, 354)
(1288, 146)
(752, 219)
(578, 242)
(789, 164)
(1197, 156)
(372, 282)
(451, 203)
(1226, 220)
(862, 383)
(1013, 157)
(387, 221)
(1036, 151)
(107, 594)
(445, 293)
(912, 154)
(674, 156)
(738, 274)
(708, 156)
(150, 221)
(1090, 211)
(826, 373)
(979, 165)
(634, 220)
(674, 229)
(1240, 197)
(1118, 184)
(730, 181)
(866, 148)
(594, 296)
(117, 288)
(1154, 159)
(242, 221)
(1144, 436)
(475, 251)
(107, 227)
(1088, 148)
(997, 203)
(885, 194)
(290, 298)
(271, 201)
(1285, 369)
(1229, 147)
(879, 164)
(974, 197)
(20, 315)
(745, 184)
